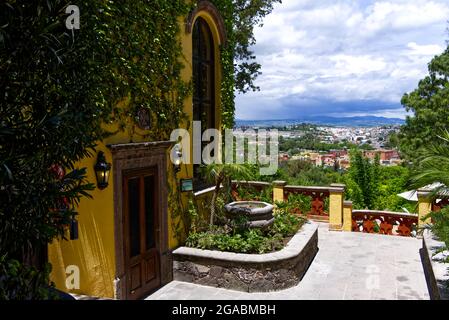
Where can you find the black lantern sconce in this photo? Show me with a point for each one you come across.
(102, 170)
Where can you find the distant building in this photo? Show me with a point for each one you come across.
(344, 164)
(284, 157)
(385, 156)
(328, 160)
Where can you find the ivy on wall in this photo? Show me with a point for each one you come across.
(136, 45)
(57, 88)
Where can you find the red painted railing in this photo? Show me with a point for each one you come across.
(317, 195)
(384, 222)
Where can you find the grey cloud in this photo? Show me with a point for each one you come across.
(358, 51)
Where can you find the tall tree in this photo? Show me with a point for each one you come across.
(365, 183)
(429, 104)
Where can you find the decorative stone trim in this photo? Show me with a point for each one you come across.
(436, 272)
(249, 272)
(207, 6)
(137, 156)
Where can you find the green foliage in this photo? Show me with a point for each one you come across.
(392, 181)
(440, 225)
(301, 172)
(250, 193)
(297, 204)
(434, 167)
(364, 174)
(248, 240)
(311, 141)
(21, 282)
(58, 87)
(133, 51)
(221, 174)
(392, 141)
(428, 102)
(46, 119)
(286, 223)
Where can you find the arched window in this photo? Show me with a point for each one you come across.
(203, 75)
(204, 84)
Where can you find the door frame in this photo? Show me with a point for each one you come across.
(137, 156)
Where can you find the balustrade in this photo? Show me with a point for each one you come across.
(384, 222)
(318, 196)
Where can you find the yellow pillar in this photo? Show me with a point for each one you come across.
(278, 191)
(336, 198)
(424, 207)
(347, 216)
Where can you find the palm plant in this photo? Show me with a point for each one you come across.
(221, 174)
(433, 168)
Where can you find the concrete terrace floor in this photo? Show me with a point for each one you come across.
(348, 265)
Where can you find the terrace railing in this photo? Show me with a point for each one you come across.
(384, 222)
(318, 195)
(340, 214)
(256, 186)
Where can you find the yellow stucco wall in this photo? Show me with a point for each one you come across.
(94, 252)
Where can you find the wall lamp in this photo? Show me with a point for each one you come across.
(177, 158)
(102, 171)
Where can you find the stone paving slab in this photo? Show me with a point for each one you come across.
(349, 266)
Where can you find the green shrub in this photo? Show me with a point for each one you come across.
(21, 282)
(440, 226)
(286, 223)
(241, 240)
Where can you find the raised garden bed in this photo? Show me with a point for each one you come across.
(249, 272)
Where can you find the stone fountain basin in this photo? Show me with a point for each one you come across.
(258, 213)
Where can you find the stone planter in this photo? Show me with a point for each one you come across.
(258, 213)
(249, 272)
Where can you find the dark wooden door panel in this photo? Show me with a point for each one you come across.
(135, 276)
(142, 258)
(151, 269)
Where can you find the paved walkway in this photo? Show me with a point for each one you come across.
(348, 265)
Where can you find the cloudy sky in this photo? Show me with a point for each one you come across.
(344, 57)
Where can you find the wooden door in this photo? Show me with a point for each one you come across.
(142, 257)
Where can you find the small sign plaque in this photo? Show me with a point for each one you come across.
(143, 119)
(186, 185)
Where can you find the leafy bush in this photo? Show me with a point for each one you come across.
(440, 224)
(21, 282)
(251, 193)
(57, 89)
(286, 223)
(240, 240)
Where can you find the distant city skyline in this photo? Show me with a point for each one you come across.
(343, 58)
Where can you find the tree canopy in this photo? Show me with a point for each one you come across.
(429, 103)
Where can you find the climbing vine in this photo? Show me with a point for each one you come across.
(136, 61)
